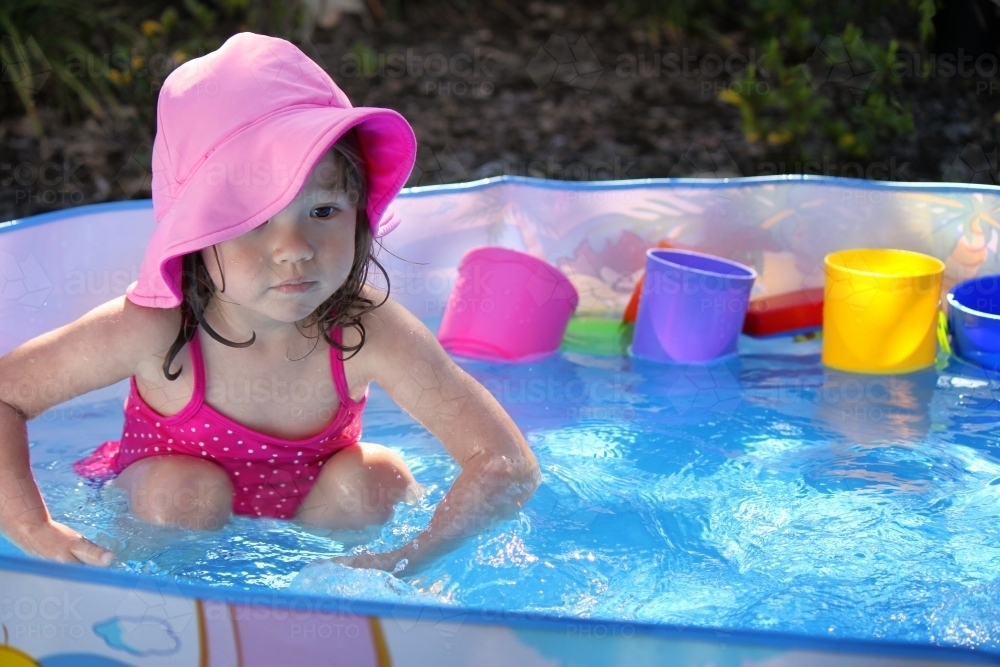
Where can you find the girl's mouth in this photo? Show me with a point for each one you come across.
(295, 289)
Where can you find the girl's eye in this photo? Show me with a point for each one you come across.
(324, 211)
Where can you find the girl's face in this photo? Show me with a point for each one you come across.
(310, 240)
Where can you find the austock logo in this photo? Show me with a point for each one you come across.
(557, 60)
(23, 66)
(833, 61)
(136, 174)
(974, 165)
(436, 167)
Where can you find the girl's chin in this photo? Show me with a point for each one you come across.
(287, 310)
(290, 315)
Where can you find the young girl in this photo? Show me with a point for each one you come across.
(268, 189)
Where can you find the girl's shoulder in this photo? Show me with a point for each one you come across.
(102, 347)
(392, 335)
(373, 321)
(160, 327)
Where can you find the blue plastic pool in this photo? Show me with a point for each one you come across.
(764, 501)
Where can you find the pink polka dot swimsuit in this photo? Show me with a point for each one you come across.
(270, 475)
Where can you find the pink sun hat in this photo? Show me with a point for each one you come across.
(238, 131)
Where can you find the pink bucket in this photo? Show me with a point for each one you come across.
(506, 306)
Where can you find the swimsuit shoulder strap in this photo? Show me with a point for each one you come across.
(337, 369)
(199, 366)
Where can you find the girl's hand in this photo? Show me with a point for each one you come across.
(394, 562)
(499, 471)
(61, 543)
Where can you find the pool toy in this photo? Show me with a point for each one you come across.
(974, 320)
(597, 335)
(792, 312)
(57, 266)
(692, 306)
(880, 310)
(633, 304)
(506, 306)
(943, 337)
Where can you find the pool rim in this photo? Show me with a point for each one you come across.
(901, 187)
(525, 620)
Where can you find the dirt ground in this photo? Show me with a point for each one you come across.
(540, 91)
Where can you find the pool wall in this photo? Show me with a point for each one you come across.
(56, 266)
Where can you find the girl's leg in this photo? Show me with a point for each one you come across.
(358, 487)
(179, 490)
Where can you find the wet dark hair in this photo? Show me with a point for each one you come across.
(344, 307)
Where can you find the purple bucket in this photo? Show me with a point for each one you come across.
(692, 306)
(506, 306)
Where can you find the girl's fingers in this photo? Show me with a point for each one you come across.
(91, 554)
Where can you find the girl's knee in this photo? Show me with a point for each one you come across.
(179, 490)
(386, 471)
(360, 487)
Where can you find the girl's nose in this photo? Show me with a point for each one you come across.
(290, 244)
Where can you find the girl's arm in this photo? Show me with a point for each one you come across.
(99, 349)
(499, 471)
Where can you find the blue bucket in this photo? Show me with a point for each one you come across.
(974, 320)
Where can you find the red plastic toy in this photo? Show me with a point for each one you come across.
(782, 313)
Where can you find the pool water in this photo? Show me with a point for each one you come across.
(762, 492)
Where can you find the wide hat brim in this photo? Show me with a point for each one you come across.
(257, 172)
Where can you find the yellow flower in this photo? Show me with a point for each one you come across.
(137, 62)
(753, 137)
(150, 28)
(996, 116)
(119, 78)
(779, 138)
(730, 97)
(178, 56)
(847, 140)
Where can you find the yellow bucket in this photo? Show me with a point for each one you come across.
(880, 310)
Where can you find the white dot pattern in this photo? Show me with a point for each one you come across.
(280, 472)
